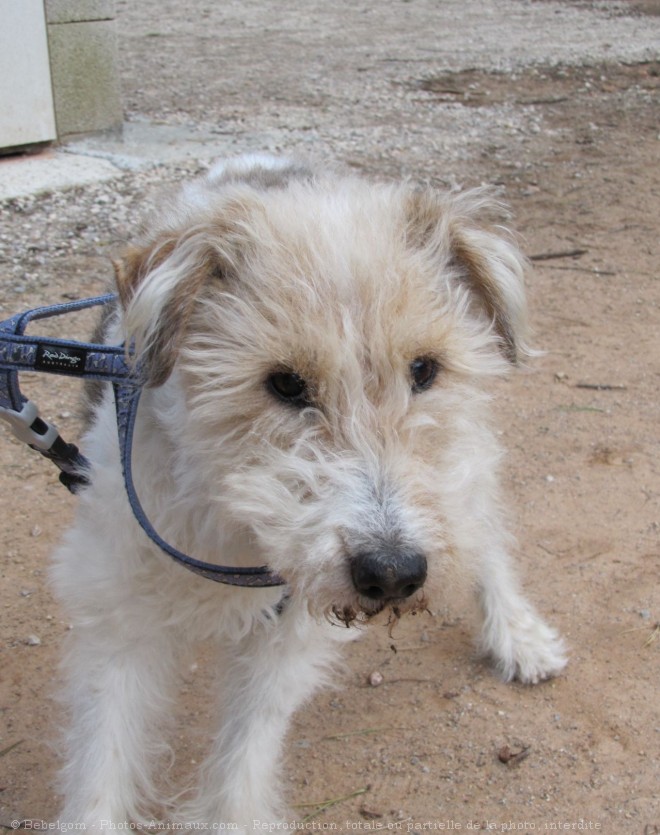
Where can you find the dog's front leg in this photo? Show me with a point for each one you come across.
(266, 677)
(119, 683)
(513, 634)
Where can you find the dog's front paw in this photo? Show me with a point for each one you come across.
(524, 647)
(538, 654)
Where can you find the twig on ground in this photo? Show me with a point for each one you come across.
(566, 253)
(600, 386)
(362, 732)
(9, 748)
(653, 636)
(593, 270)
(322, 805)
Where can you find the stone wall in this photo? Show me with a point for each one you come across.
(84, 66)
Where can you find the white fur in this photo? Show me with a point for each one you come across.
(346, 283)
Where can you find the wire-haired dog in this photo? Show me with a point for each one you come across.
(314, 347)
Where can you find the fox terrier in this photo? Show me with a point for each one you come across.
(313, 348)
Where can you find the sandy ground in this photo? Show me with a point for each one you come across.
(557, 105)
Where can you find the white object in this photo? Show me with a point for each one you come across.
(27, 115)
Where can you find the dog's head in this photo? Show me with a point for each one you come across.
(324, 338)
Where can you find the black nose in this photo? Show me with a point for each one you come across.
(388, 575)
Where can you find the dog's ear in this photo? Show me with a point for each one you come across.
(157, 285)
(482, 258)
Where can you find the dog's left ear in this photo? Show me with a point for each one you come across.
(483, 258)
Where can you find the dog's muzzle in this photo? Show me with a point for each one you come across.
(386, 575)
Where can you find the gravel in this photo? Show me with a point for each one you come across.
(358, 100)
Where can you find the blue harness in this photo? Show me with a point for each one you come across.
(107, 363)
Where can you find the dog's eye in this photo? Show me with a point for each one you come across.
(423, 371)
(289, 386)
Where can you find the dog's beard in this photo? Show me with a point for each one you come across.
(366, 610)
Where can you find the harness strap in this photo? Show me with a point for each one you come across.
(19, 352)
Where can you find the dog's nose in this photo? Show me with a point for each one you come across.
(388, 575)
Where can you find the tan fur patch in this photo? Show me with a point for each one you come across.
(433, 224)
(480, 278)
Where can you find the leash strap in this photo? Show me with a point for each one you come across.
(92, 361)
(127, 400)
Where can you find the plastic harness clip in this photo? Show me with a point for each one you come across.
(29, 427)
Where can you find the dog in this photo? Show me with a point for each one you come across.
(314, 348)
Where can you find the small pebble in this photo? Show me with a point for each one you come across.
(33, 641)
(375, 679)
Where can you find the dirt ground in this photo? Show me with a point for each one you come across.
(573, 148)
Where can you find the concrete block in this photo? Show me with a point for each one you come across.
(79, 11)
(85, 73)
